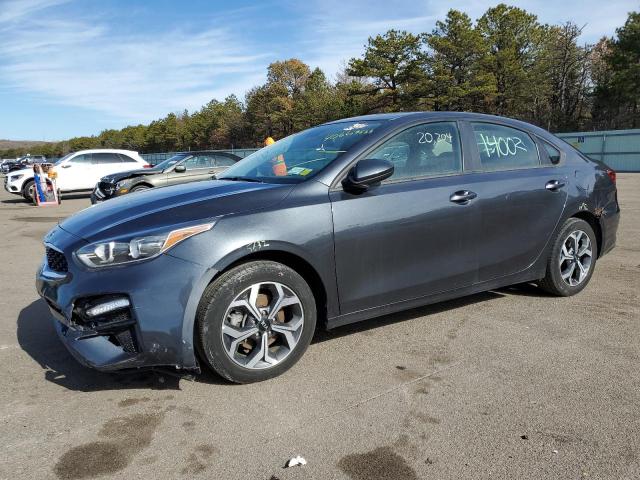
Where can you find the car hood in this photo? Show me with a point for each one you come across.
(171, 206)
(22, 171)
(116, 177)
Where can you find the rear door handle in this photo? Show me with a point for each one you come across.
(554, 185)
(462, 197)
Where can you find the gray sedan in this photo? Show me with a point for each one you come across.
(180, 168)
(336, 224)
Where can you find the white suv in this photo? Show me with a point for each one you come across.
(78, 171)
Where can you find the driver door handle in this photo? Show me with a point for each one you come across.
(462, 197)
(554, 185)
(66, 166)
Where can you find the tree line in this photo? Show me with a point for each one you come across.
(504, 63)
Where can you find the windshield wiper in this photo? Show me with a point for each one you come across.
(241, 179)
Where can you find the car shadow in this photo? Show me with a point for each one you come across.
(38, 338)
(526, 290)
(13, 201)
(322, 335)
(76, 196)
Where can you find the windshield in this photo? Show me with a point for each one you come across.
(171, 161)
(302, 155)
(63, 158)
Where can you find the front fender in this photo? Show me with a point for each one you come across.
(301, 231)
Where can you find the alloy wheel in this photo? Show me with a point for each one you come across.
(262, 325)
(575, 258)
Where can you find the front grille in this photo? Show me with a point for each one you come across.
(56, 261)
(126, 339)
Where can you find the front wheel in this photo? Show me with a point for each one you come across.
(255, 321)
(572, 260)
(29, 191)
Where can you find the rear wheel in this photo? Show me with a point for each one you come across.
(572, 260)
(255, 321)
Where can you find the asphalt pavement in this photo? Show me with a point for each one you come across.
(506, 384)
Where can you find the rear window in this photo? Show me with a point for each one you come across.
(102, 158)
(504, 148)
(84, 158)
(126, 158)
(222, 161)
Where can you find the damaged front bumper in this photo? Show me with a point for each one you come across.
(146, 326)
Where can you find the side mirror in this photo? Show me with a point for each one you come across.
(367, 173)
(180, 169)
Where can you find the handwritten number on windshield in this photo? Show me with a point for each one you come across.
(433, 137)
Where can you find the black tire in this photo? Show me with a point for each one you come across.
(28, 190)
(215, 302)
(140, 188)
(553, 281)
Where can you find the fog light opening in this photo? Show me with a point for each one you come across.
(107, 307)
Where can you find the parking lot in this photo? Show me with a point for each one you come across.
(505, 384)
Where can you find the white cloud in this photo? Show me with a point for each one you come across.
(58, 56)
(13, 10)
(135, 78)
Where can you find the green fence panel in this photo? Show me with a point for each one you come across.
(155, 158)
(620, 149)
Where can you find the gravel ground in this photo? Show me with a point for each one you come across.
(505, 384)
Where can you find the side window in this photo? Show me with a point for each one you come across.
(84, 159)
(222, 161)
(199, 161)
(126, 158)
(104, 158)
(191, 163)
(427, 150)
(504, 148)
(205, 161)
(553, 152)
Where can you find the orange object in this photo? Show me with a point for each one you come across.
(279, 166)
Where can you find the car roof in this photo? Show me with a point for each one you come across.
(193, 152)
(402, 117)
(105, 150)
(375, 117)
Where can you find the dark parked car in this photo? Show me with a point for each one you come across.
(22, 162)
(181, 168)
(336, 224)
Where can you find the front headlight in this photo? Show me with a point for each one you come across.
(123, 186)
(13, 178)
(117, 252)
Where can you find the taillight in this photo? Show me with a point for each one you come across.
(612, 175)
(146, 165)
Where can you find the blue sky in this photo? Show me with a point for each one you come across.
(70, 68)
